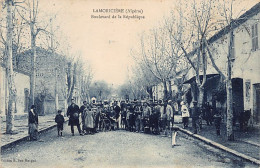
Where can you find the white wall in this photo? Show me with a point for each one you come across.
(22, 82)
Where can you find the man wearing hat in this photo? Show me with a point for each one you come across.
(138, 118)
(117, 110)
(172, 109)
(157, 115)
(185, 114)
(73, 114)
(146, 116)
(131, 115)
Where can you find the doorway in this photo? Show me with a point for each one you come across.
(256, 103)
(238, 97)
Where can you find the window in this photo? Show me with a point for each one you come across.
(248, 88)
(232, 54)
(254, 37)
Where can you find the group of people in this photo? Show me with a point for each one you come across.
(155, 117)
(148, 116)
(197, 113)
(87, 114)
(138, 116)
(86, 118)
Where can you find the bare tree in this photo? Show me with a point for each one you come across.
(160, 56)
(206, 24)
(193, 28)
(14, 29)
(9, 68)
(100, 89)
(31, 8)
(86, 75)
(229, 21)
(143, 79)
(124, 91)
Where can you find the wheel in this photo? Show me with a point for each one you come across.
(103, 126)
(108, 125)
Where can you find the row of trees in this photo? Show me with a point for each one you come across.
(101, 90)
(24, 26)
(180, 42)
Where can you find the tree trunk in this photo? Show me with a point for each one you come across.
(230, 133)
(170, 90)
(33, 69)
(69, 80)
(204, 69)
(201, 96)
(165, 91)
(56, 91)
(73, 82)
(194, 91)
(88, 97)
(9, 69)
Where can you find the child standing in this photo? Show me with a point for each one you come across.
(59, 119)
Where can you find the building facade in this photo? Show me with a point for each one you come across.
(245, 65)
(51, 84)
(22, 86)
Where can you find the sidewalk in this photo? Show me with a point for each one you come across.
(246, 143)
(21, 129)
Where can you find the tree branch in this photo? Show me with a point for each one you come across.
(213, 61)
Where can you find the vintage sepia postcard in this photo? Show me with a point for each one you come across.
(129, 83)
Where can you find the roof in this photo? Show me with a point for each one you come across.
(42, 54)
(237, 22)
(201, 77)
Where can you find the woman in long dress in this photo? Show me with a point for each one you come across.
(33, 124)
(89, 120)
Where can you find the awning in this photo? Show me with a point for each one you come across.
(201, 78)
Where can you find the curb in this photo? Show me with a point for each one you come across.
(25, 138)
(219, 146)
(251, 143)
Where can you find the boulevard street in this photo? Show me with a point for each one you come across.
(115, 149)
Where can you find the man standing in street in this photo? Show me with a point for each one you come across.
(123, 114)
(170, 103)
(131, 120)
(117, 113)
(138, 114)
(157, 113)
(185, 114)
(146, 116)
(73, 114)
(170, 116)
(83, 115)
(165, 111)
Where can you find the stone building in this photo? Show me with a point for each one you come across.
(52, 70)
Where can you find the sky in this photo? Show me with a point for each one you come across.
(106, 43)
